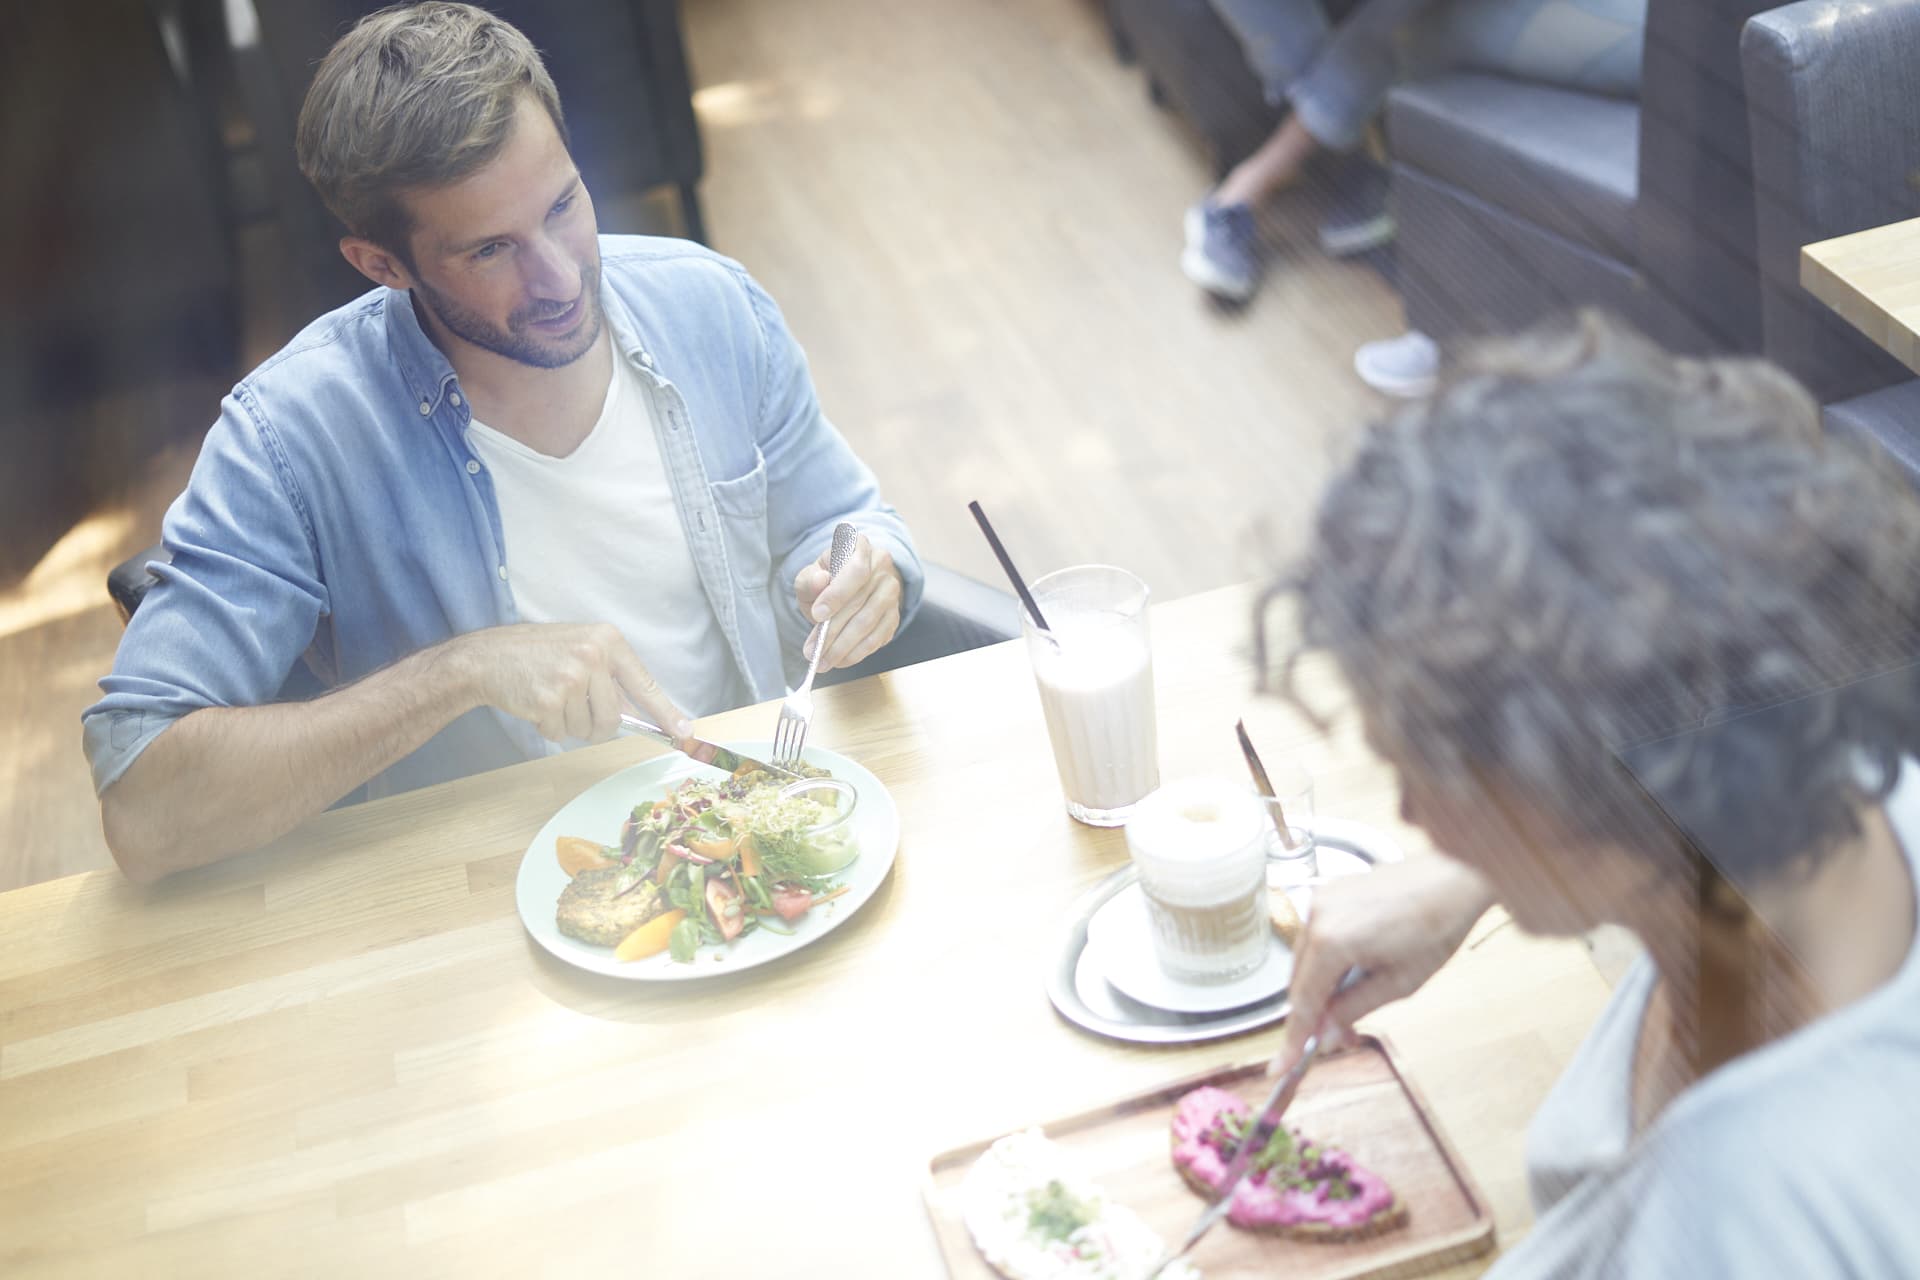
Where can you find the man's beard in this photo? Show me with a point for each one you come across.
(516, 341)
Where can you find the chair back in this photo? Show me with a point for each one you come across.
(1694, 215)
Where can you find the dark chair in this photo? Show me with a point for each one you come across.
(118, 277)
(957, 613)
(620, 67)
(1194, 67)
(1516, 200)
(1836, 149)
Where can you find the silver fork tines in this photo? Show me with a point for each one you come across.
(796, 712)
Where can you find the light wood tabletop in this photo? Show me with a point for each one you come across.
(344, 1056)
(1872, 279)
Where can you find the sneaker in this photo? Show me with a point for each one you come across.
(1357, 219)
(1223, 250)
(1406, 367)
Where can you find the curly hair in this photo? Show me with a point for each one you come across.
(1583, 553)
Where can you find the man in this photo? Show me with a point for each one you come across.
(535, 476)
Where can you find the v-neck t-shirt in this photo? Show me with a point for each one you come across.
(596, 536)
(1800, 1159)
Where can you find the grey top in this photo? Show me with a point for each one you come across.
(1801, 1159)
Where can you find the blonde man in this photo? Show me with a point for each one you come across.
(535, 475)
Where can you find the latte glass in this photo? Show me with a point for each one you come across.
(1200, 846)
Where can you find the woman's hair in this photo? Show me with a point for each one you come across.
(417, 95)
(1583, 553)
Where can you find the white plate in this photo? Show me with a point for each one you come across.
(1122, 938)
(597, 813)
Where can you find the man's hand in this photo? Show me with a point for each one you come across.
(864, 602)
(566, 680)
(1399, 925)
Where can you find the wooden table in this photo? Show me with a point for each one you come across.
(343, 1056)
(1872, 278)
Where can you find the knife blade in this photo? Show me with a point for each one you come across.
(1259, 1133)
(705, 752)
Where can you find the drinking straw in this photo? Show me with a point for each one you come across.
(1006, 563)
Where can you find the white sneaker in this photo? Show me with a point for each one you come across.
(1406, 367)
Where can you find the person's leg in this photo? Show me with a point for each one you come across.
(1342, 90)
(1278, 37)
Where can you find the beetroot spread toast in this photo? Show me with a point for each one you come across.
(1294, 1188)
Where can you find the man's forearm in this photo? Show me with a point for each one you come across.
(226, 779)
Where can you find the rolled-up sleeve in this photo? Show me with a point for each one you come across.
(814, 478)
(231, 613)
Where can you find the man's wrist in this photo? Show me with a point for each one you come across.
(450, 676)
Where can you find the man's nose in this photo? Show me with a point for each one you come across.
(551, 273)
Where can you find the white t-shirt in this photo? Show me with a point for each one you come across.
(596, 537)
(1799, 1159)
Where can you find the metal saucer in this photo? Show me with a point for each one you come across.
(1083, 996)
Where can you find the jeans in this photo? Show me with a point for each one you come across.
(1336, 77)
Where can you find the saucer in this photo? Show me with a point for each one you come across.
(1121, 937)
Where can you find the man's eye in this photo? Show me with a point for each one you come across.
(486, 251)
(564, 205)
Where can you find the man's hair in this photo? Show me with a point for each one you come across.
(417, 95)
(1584, 552)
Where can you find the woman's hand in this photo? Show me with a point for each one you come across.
(1398, 925)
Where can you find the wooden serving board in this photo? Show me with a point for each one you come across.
(1357, 1100)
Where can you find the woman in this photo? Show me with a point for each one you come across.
(1639, 643)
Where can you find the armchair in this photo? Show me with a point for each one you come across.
(1836, 149)
(1516, 199)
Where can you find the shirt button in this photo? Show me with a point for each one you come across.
(503, 573)
(646, 358)
(455, 397)
(473, 468)
(425, 408)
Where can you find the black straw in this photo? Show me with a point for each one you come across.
(1006, 563)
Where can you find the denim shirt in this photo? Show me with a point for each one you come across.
(337, 521)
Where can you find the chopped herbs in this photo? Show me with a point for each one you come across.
(1054, 1214)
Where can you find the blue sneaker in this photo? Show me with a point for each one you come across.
(1223, 250)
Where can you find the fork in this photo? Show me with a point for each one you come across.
(796, 713)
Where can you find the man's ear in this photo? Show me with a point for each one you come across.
(382, 266)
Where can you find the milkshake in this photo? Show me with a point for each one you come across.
(1200, 846)
(1094, 670)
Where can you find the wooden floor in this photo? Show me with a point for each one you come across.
(971, 215)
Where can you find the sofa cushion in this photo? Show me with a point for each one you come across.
(1563, 160)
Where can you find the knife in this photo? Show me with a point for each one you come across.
(698, 749)
(1259, 1133)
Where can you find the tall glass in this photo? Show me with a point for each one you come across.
(1094, 669)
(1200, 846)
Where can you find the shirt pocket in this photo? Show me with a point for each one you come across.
(741, 504)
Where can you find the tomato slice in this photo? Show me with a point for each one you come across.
(791, 901)
(727, 905)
